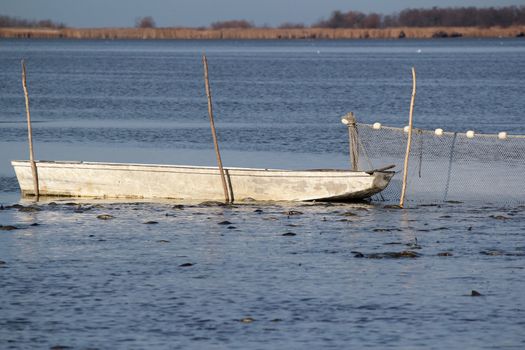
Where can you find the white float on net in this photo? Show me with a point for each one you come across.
(438, 132)
(470, 134)
(376, 126)
(502, 135)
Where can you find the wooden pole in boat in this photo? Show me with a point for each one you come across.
(30, 134)
(409, 141)
(213, 131)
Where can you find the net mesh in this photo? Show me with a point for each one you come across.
(447, 167)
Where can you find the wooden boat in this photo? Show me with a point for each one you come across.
(151, 181)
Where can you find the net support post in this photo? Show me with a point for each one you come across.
(409, 140)
(350, 121)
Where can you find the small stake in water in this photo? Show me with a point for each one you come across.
(30, 134)
(410, 123)
(213, 132)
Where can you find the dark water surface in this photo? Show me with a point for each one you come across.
(342, 281)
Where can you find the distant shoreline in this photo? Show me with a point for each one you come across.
(262, 33)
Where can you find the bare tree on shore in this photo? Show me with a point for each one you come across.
(238, 24)
(291, 25)
(433, 17)
(15, 22)
(145, 22)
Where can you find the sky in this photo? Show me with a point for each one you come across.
(196, 13)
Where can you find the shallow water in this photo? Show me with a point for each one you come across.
(79, 281)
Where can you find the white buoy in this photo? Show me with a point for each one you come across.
(470, 134)
(344, 121)
(502, 135)
(377, 126)
(406, 128)
(438, 132)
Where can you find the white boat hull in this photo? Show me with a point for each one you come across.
(119, 180)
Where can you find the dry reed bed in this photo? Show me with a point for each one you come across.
(260, 33)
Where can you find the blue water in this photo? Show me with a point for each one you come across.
(277, 96)
(80, 282)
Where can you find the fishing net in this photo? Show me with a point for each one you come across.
(447, 166)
